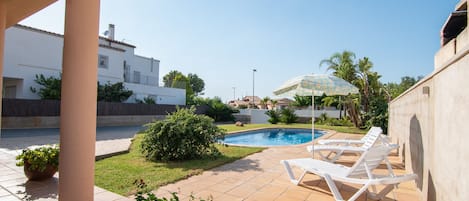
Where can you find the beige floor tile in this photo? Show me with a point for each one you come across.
(262, 177)
(262, 196)
(9, 198)
(226, 197)
(222, 188)
(242, 191)
(106, 196)
(206, 194)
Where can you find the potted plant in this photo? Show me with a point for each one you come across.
(40, 162)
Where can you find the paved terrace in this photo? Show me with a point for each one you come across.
(261, 177)
(257, 177)
(14, 185)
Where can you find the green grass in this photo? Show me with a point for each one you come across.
(342, 129)
(118, 173)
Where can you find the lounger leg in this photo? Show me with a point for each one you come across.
(326, 157)
(337, 156)
(290, 173)
(382, 193)
(333, 187)
(359, 192)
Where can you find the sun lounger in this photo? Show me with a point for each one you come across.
(349, 141)
(360, 173)
(337, 150)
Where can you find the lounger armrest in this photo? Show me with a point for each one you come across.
(394, 180)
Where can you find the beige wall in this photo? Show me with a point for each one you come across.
(432, 128)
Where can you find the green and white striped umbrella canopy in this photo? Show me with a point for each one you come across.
(316, 85)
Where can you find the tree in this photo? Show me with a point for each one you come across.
(197, 84)
(335, 101)
(362, 81)
(113, 92)
(51, 87)
(342, 65)
(393, 90)
(182, 82)
(274, 103)
(264, 102)
(302, 101)
(168, 78)
(216, 108)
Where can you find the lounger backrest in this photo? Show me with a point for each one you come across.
(370, 159)
(372, 137)
(365, 137)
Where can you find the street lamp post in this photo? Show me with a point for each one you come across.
(253, 71)
(234, 93)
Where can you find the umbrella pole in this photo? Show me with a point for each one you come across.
(312, 121)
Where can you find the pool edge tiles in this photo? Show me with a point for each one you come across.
(272, 137)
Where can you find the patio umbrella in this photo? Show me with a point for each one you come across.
(315, 85)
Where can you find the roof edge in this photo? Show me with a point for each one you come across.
(61, 35)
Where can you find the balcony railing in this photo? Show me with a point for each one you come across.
(137, 78)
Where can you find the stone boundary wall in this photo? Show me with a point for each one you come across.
(430, 123)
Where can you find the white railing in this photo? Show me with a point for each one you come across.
(137, 78)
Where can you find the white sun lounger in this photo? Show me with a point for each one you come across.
(360, 173)
(371, 139)
(350, 141)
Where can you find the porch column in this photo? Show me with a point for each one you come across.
(78, 105)
(3, 17)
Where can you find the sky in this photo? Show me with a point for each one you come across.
(222, 41)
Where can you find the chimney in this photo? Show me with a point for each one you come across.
(111, 32)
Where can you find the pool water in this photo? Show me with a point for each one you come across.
(272, 137)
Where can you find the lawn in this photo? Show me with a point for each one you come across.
(118, 173)
(342, 129)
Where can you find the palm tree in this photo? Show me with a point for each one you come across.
(264, 102)
(169, 78)
(274, 104)
(334, 100)
(342, 65)
(364, 67)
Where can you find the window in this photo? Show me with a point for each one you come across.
(103, 61)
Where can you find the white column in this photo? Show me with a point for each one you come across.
(78, 105)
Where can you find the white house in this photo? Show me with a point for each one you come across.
(30, 51)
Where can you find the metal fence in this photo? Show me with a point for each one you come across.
(29, 108)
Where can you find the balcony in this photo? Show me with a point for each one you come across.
(137, 78)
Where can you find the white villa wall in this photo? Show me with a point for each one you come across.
(148, 68)
(307, 113)
(29, 51)
(115, 68)
(258, 116)
(161, 95)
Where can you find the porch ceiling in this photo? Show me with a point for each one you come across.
(18, 10)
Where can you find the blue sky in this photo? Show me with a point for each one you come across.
(222, 41)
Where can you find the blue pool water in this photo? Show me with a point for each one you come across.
(272, 137)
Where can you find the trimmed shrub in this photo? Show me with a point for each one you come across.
(217, 110)
(274, 116)
(288, 116)
(182, 135)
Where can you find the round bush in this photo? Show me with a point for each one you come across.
(182, 135)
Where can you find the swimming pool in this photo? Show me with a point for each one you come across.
(272, 137)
